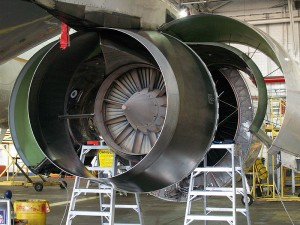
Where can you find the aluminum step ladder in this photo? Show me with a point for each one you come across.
(217, 213)
(106, 211)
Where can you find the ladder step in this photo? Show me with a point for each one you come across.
(121, 206)
(221, 146)
(88, 213)
(94, 168)
(123, 224)
(215, 209)
(215, 169)
(209, 218)
(229, 189)
(88, 190)
(211, 193)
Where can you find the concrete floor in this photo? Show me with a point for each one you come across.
(155, 211)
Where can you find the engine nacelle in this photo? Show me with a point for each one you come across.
(151, 95)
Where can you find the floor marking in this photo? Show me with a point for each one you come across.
(67, 202)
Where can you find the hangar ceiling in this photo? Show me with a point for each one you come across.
(202, 5)
(211, 6)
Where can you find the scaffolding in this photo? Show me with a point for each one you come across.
(277, 110)
(270, 180)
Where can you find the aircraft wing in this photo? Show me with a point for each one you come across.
(23, 25)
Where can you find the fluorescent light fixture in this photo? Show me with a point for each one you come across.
(183, 13)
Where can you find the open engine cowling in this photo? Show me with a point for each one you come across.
(135, 92)
(149, 94)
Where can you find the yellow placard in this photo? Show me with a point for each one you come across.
(106, 158)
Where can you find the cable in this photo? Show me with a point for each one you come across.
(283, 205)
(67, 204)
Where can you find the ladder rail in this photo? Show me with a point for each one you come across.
(245, 185)
(233, 181)
(205, 187)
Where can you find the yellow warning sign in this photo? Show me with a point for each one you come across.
(106, 158)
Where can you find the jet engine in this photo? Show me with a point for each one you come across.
(157, 98)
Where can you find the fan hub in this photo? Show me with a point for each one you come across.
(144, 111)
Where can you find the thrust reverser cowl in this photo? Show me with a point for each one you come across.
(24, 142)
(236, 114)
(183, 88)
(215, 28)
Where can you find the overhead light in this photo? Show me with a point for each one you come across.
(183, 13)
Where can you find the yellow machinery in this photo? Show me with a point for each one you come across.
(271, 181)
(16, 167)
(263, 183)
